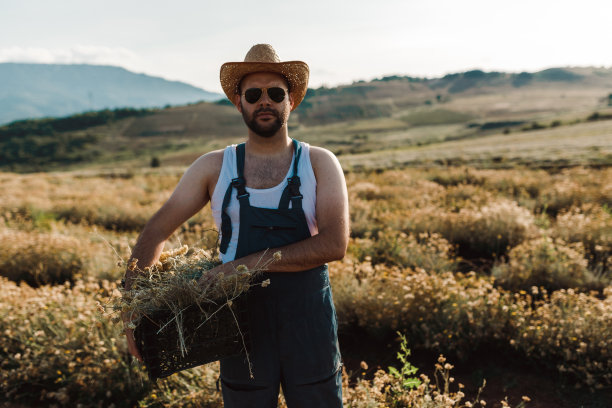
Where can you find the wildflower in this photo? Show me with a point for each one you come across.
(364, 365)
(242, 269)
(133, 263)
(277, 256)
(265, 283)
(526, 398)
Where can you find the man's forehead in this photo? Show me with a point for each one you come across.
(261, 78)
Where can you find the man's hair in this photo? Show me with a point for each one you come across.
(239, 86)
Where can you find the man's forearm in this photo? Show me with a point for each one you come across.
(146, 252)
(309, 253)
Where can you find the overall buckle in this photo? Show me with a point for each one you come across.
(240, 185)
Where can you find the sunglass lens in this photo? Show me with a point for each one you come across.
(276, 94)
(252, 95)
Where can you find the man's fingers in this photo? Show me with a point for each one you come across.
(132, 348)
(208, 279)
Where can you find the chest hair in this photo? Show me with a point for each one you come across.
(264, 172)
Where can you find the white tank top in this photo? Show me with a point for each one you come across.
(263, 198)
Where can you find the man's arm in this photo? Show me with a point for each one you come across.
(332, 216)
(190, 195)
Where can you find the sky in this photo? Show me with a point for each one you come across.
(341, 41)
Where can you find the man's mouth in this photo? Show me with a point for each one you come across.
(265, 112)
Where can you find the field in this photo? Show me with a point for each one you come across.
(480, 250)
(506, 272)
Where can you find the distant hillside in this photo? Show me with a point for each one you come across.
(390, 95)
(394, 113)
(44, 90)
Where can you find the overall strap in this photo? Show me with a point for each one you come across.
(292, 191)
(243, 197)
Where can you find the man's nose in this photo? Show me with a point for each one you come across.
(265, 99)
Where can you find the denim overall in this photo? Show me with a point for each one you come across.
(292, 321)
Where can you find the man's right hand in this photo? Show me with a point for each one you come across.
(132, 348)
(131, 340)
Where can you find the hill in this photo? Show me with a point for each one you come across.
(44, 90)
(475, 118)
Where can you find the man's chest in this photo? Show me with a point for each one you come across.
(265, 172)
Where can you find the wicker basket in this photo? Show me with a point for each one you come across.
(217, 338)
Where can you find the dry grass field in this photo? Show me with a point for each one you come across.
(480, 250)
(579, 144)
(505, 272)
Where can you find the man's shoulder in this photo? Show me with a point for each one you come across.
(323, 162)
(206, 168)
(209, 162)
(321, 154)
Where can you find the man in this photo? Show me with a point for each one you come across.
(270, 194)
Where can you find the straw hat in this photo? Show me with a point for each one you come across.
(263, 58)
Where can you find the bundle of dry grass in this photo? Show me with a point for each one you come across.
(174, 284)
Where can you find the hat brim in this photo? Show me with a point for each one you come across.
(296, 73)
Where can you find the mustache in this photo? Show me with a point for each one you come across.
(268, 110)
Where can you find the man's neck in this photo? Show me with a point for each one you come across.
(268, 146)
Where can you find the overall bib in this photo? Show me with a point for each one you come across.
(292, 321)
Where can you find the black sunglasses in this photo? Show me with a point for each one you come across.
(252, 95)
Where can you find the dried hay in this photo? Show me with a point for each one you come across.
(174, 284)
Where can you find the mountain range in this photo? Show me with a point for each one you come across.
(50, 90)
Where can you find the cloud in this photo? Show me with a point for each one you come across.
(80, 54)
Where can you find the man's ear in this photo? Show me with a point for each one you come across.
(291, 102)
(237, 103)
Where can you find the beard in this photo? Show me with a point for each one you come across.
(267, 129)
